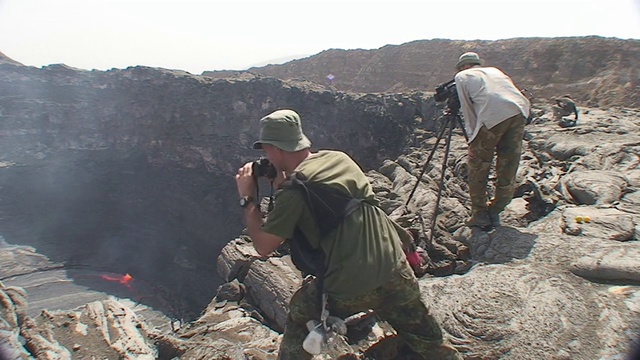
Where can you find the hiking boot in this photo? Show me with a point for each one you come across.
(479, 219)
(494, 217)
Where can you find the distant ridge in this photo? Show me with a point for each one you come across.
(4, 59)
(279, 61)
(596, 71)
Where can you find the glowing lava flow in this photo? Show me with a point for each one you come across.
(139, 291)
(122, 279)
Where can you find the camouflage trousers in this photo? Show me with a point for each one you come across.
(505, 141)
(397, 302)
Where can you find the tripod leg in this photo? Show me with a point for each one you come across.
(441, 185)
(426, 164)
(461, 124)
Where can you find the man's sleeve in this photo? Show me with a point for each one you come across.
(465, 101)
(287, 210)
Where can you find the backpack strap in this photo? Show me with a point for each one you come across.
(329, 206)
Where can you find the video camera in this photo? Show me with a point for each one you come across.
(263, 167)
(449, 93)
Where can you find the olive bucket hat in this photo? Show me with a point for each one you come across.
(282, 129)
(469, 58)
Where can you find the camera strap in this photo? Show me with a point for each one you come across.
(270, 206)
(271, 197)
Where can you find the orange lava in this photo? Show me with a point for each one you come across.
(126, 279)
(122, 279)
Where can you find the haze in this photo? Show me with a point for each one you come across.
(215, 35)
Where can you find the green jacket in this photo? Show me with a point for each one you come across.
(365, 249)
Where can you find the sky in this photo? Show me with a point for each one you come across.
(201, 35)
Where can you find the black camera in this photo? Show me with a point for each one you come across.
(263, 167)
(449, 93)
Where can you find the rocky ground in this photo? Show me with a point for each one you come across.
(545, 285)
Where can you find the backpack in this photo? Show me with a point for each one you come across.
(329, 208)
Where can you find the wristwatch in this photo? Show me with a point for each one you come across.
(245, 201)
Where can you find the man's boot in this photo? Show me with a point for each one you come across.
(479, 218)
(494, 217)
(494, 211)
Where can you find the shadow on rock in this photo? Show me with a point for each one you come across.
(499, 245)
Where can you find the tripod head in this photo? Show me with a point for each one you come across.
(449, 93)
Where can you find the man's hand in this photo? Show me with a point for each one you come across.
(245, 181)
(263, 242)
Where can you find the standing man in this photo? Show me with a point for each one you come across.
(365, 264)
(495, 112)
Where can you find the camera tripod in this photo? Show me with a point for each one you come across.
(451, 119)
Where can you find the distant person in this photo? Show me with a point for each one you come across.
(364, 264)
(495, 113)
(565, 106)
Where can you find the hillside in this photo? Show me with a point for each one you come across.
(4, 59)
(596, 71)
